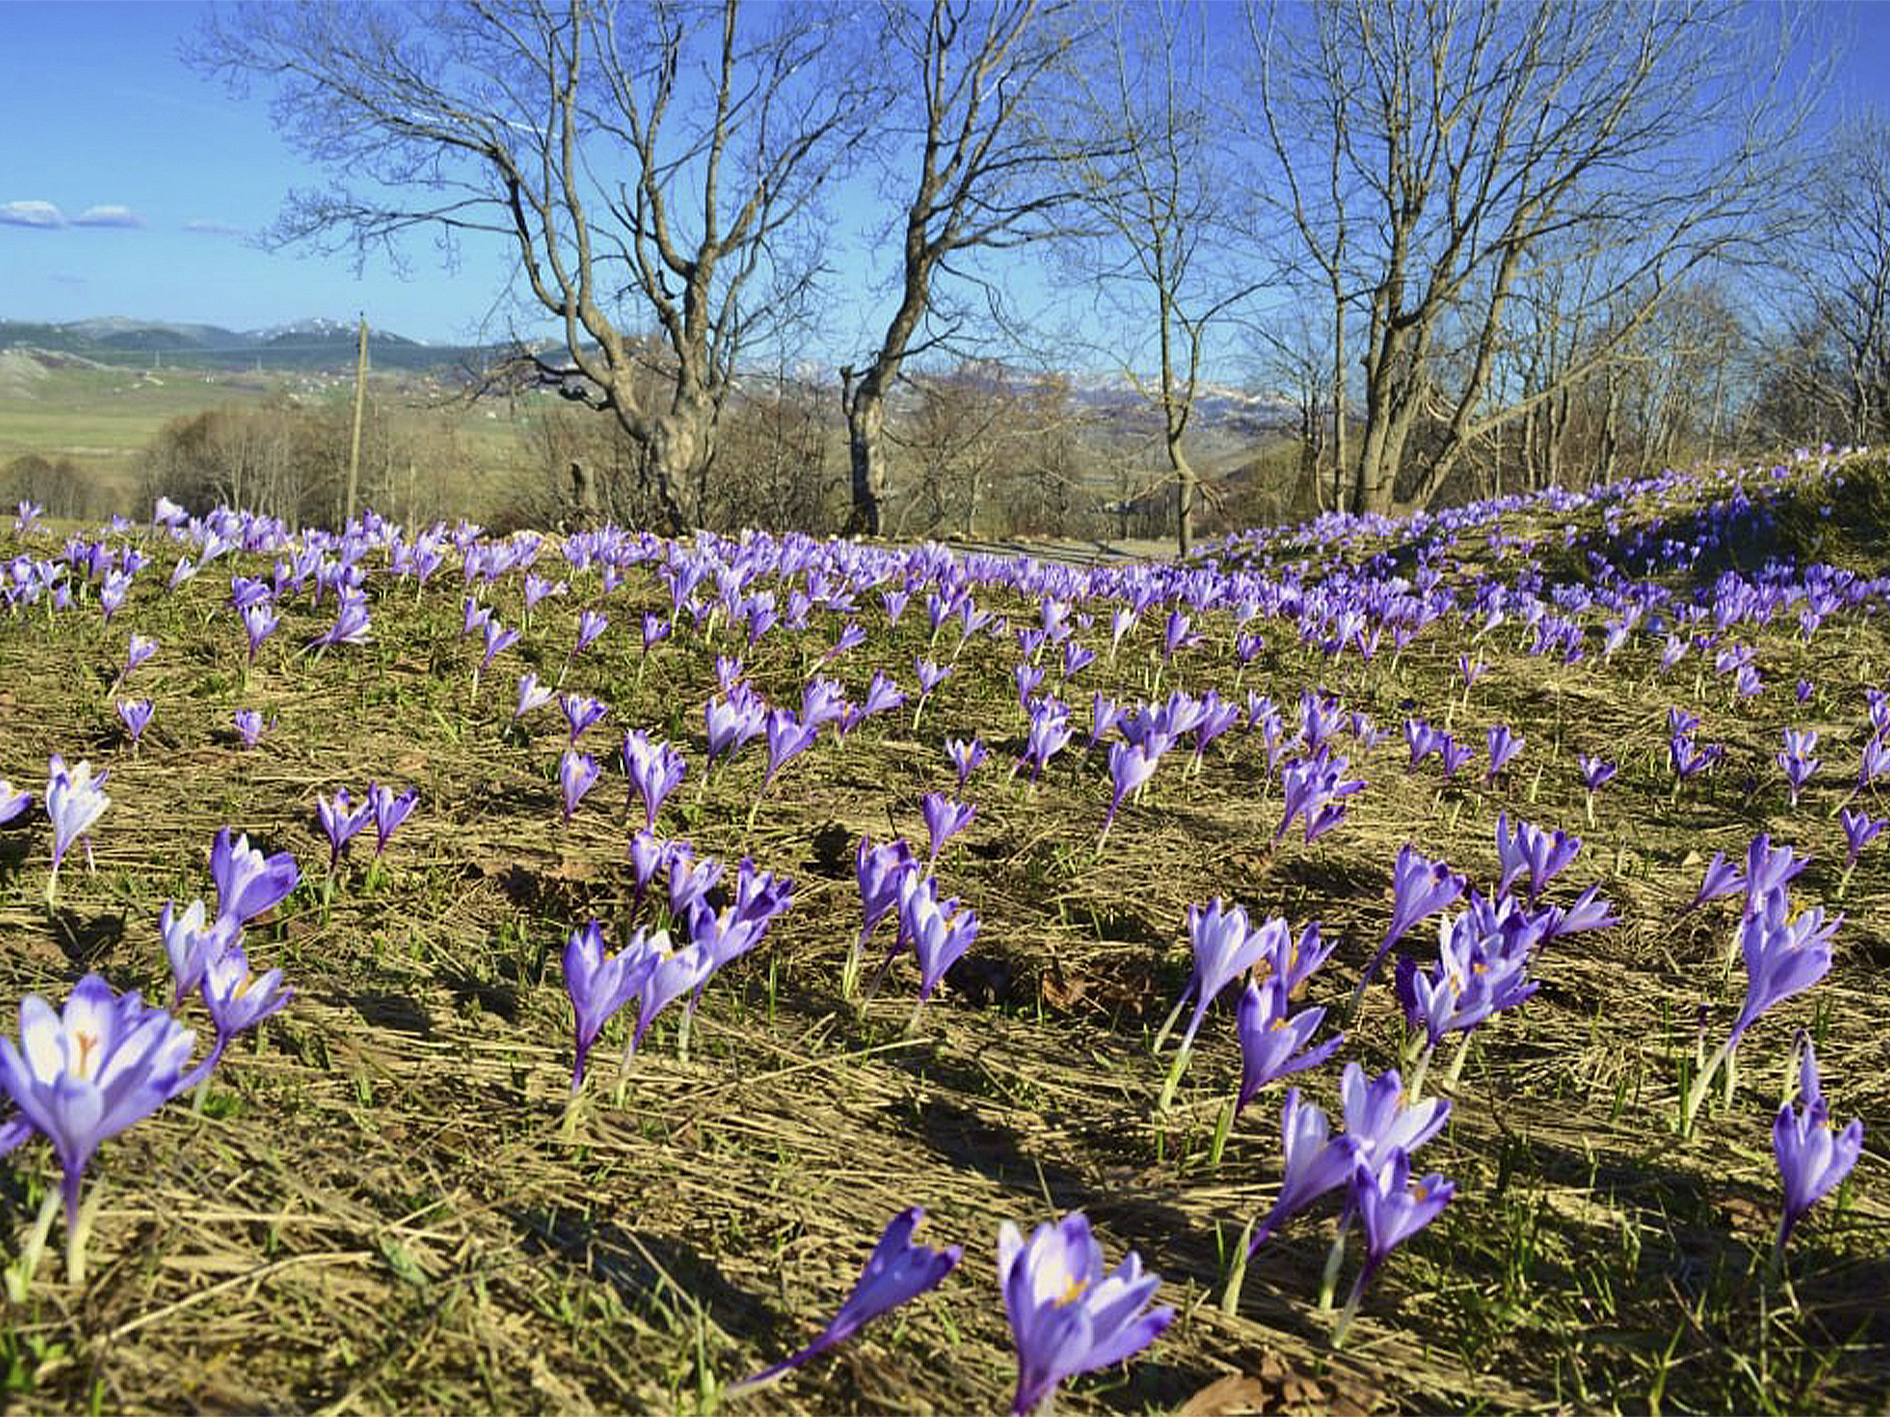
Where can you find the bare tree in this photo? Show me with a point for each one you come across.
(970, 76)
(1159, 254)
(1841, 273)
(647, 161)
(1450, 139)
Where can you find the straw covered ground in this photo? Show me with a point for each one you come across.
(382, 1204)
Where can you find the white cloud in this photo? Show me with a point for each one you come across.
(41, 214)
(207, 227)
(109, 215)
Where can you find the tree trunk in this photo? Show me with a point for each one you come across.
(864, 402)
(1187, 487)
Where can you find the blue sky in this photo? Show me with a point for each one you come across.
(129, 184)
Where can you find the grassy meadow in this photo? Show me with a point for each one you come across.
(387, 1201)
(104, 418)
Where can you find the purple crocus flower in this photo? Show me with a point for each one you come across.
(788, 738)
(340, 820)
(1381, 1119)
(965, 757)
(822, 702)
(673, 973)
(600, 983)
(538, 588)
(1176, 634)
(648, 853)
(250, 725)
(1874, 764)
(1689, 760)
(879, 870)
(1503, 745)
(1722, 878)
(389, 810)
(1783, 956)
(1225, 947)
(136, 716)
(1795, 761)
(235, 999)
(1273, 1042)
(1587, 913)
(1313, 1162)
(141, 648)
(939, 932)
(931, 674)
(1392, 1210)
(531, 695)
(1050, 734)
(1474, 977)
(1421, 738)
(1419, 887)
(498, 639)
(944, 819)
(248, 883)
(1027, 677)
(12, 803)
(655, 629)
(1543, 855)
(852, 635)
(577, 775)
(190, 944)
(896, 1271)
(1595, 772)
(259, 623)
(1216, 718)
(1315, 789)
(730, 720)
(1067, 1316)
(351, 623)
(87, 1073)
(1291, 960)
(655, 770)
(74, 801)
(580, 712)
(1452, 754)
(1769, 869)
(1130, 766)
(591, 624)
(1812, 1156)
(1860, 829)
(882, 696)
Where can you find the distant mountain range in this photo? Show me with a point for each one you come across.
(317, 343)
(1225, 418)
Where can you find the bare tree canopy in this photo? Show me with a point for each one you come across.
(1835, 380)
(967, 162)
(1430, 156)
(652, 164)
(1159, 254)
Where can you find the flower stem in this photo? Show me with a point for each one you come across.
(1415, 1087)
(1173, 1080)
(1456, 1062)
(1161, 1035)
(1329, 1279)
(20, 1275)
(76, 1238)
(1696, 1094)
(1237, 1271)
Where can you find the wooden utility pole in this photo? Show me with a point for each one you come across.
(354, 442)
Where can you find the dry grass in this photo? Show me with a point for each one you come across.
(382, 1207)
